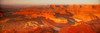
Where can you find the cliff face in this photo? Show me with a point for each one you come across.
(51, 18)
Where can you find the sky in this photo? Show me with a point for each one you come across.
(47, 2)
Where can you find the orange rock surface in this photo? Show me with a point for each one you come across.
(82, 28)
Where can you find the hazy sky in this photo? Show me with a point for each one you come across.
(47, 2)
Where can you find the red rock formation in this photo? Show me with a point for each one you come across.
(82, 28)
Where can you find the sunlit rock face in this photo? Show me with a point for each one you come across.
(51, 19)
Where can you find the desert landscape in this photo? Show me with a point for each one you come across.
(50, 19)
